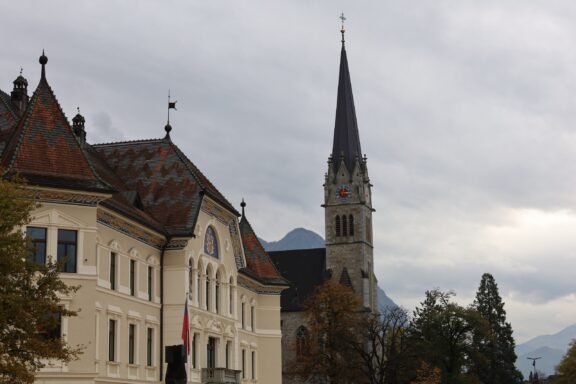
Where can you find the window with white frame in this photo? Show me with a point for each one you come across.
(112, 324)
(131, 343)
(132, 277)
(113, 267)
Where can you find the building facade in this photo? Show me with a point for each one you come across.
(143, 233)
(348, 255)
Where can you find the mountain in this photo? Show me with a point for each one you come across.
(384, 302)
(550, 357)
(558, 340)
(550, 347)
(301, 238)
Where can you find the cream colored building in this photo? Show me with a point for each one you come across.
(144, 231)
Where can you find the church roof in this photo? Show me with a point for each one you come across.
(44, 149)
(258, 262)
(305, 269)
(346, 136)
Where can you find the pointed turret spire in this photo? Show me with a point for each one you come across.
(346, 137)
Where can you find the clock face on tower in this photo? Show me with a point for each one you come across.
(344, 192)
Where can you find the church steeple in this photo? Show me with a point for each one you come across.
(346, 138)
(348, 199)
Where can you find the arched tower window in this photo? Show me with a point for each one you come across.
(344, 226)
(211, 242)
(302, 341)
(351, 225)
(337, 226)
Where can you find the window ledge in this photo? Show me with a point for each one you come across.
(133, 365)
(114, 363)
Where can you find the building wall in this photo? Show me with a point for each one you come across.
(185, 266)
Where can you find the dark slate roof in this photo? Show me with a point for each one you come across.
(168, 184)
(8, 112)
(346, 136)
(258, 263)
(44, 149)
(305, 269)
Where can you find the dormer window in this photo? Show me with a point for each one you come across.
(211, 243)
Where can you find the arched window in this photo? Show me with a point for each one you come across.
(217, 292)
(191, 278)
(344, 226)
(302, 341)
(211, 242)
(337, 226)
(351, 225)
(208, 307)
(231, 293)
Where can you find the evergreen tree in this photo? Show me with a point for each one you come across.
(29, 295)
(442, 331)
(494, 356)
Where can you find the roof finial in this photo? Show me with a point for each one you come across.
(342, 31)
(171, 105)
(243, 205)
(43, 60)
(21, 69)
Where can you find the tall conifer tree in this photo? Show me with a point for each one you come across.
(495, 355)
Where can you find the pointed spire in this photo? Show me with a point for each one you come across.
(43, 60)
(346, 136)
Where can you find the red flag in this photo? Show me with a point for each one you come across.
(186, 328)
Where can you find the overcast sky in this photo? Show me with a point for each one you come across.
(466, 112)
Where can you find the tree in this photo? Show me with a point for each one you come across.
(334, 316)
(442, 331)
(495, 355)
(29, 303)
(566, 370)
(384, 347)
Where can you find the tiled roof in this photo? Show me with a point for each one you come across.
(44, 149)
(8, 112)
(169, 185)
(305, 269)
(258, 263)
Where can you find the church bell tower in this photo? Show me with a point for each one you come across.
(347, 199)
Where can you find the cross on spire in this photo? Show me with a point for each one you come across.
(342, 30)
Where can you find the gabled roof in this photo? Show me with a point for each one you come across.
(305, 269)
(258, 263)
(168, 184)
(346, 136)
(44, 149)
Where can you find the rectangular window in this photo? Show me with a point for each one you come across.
(242, 316)
(252, 319)
(131, 343)
(112, 340)
(149, 340)
(67, 244)
(37, 252)
(243, 363)
(194, 353)
(133, 277)
(253, 365)
(50, 326)
(150, 286)
(227, 355)
(211, 353)
(113, 270)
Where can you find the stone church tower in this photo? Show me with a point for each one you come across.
(347, 199)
